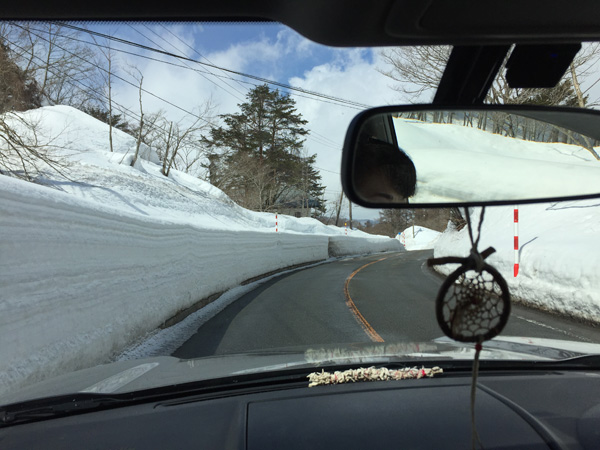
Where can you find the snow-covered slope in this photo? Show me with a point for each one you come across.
(458, 163)
(90, 266)
(105, 178)
(559, 255)
(423, 238)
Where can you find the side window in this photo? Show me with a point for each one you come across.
(381, 127)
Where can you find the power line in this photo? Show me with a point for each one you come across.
(162, 48)
(325, 138)
(187, 67)
(198, 53)
(322, 142)
(261, 79)
(326, 170)
(124, 110)
(124, 80)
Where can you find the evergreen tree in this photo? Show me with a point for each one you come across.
(102, 114)
(18, 90)
(256, 156)
(562, 94)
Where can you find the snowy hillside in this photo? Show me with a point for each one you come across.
(418, 238)
(559, 254)
(90, 266)
(457, 163)
(106, 179)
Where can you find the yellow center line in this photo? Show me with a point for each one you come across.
(366, 326)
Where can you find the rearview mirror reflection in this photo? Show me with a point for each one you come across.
(425, 156)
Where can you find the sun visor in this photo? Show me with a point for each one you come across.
(461, 22)
(539, 66)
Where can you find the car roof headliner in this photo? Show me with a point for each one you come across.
(350, 23)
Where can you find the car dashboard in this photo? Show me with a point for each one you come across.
(514, 410)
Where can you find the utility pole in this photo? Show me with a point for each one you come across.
(350, 212)
(339, 208)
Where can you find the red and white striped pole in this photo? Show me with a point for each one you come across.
(275, 222)
(516, 217)
(346, 228)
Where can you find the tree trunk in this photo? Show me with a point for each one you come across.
(339, 209)
(580, 99)
(139, 138)
(167, 149)
(110, 116)
(350, 212)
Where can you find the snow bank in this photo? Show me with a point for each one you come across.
(559, 256)
(452, 159)
(106, 178)
(349, 245)
(423, 238)
(80, 284)
(89, 267)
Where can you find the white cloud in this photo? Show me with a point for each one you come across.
(350, 74)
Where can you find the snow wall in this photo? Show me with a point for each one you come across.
(558, 256)
(348, 245)
(118, 260)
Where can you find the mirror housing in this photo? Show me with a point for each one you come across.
(417, 156)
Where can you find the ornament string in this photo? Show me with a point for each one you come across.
(473, 304)
(479, 264)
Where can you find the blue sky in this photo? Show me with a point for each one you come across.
(208, 39)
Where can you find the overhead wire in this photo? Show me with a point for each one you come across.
(162, 48)
(125, 80)
(199, 54)
(327, 170)
(193, 69)
(326, 139)
(322, 140)
(86, 88)
(181, 57)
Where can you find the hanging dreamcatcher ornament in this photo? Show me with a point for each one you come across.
(473, 303)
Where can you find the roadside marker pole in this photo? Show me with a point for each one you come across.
(516, 218)
(346, 228)
(275, 222)
(403, 239)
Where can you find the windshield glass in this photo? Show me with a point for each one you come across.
(171, 209)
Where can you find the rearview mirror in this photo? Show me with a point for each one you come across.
(419, 156)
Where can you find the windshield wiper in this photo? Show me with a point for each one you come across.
(58, 406)
(580, 362)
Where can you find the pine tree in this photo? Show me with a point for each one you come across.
(118, 121)
(18, 90)
(256, 155)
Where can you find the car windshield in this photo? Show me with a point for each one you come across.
(172, 210)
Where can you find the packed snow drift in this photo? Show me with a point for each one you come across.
(418, 238)
(558, 256)
(456, 163)
(90, 266)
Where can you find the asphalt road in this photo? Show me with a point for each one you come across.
(378, 298)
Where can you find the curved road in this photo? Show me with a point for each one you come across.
(385, 297)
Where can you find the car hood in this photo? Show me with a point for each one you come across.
(141, 374)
